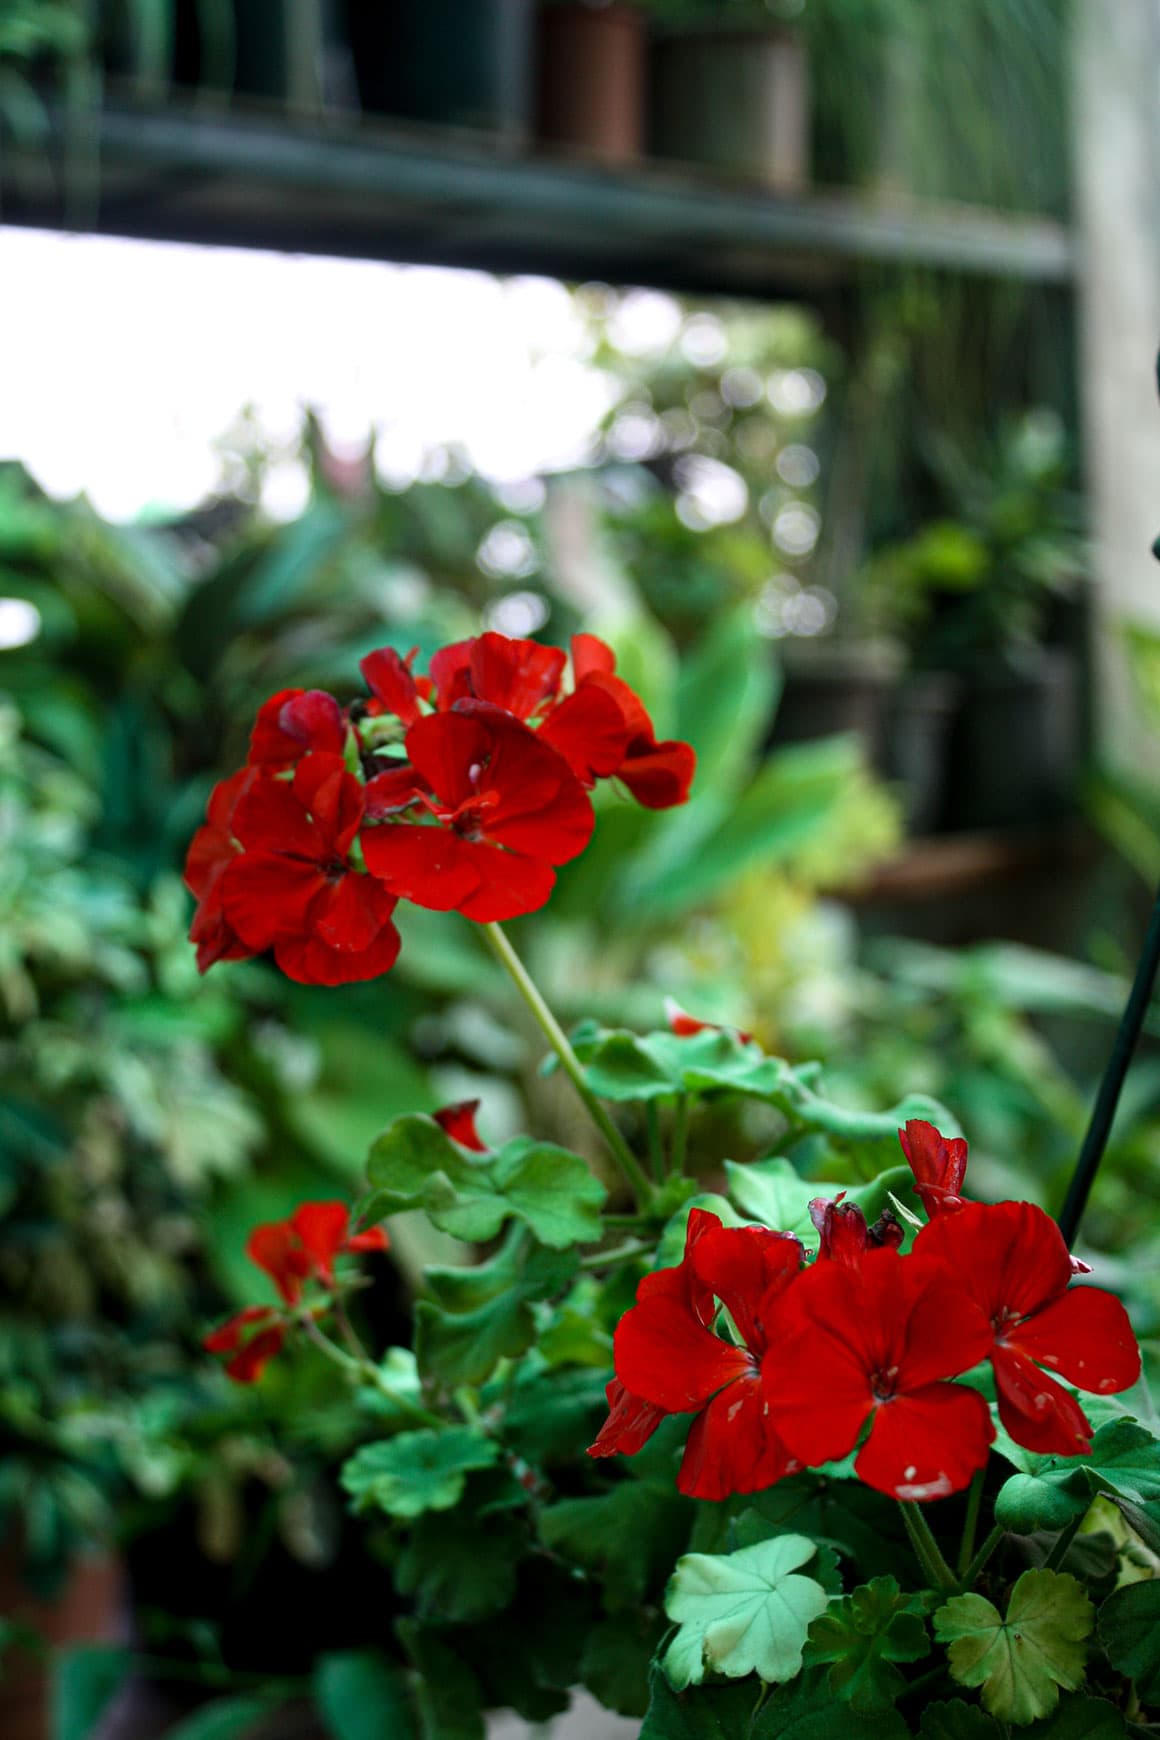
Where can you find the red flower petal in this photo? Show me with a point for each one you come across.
(683, 1282)
(451, 673)
(842, 1226)
(333, 796)
(939, 1164)
(392, 791)
(1010, 1256)
(535, 802)
(630, 1423)
(927, 1444)
(429, 865)
(740, 1265)
(659, 775)
(267, 897)
(445, 748)
(459, 1122)
(590, 653)
(250, 1362)
(276, 1248)
(517, 675)
(389, 679)
(373, 1239)
(350, 913)
(1086, 1337)
(590, 731)
(1038, 1412)
(731, 1446)
(210, 930)
(508, 884)
(293, 722)
(321, 1227)
(227, 1338)
(665, 1356)
(310, 961)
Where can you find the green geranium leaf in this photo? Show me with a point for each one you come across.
(1130, 1633)
(461, 1567)
(415, 1164)
(225, 1719)
(804, 1710)
(362, 1696)
(482, 1315)
(417, 1471)
(744, 1612)
(448, 1694)
(628, 1537)
(862, 1636)
(552, 1416)
(1022, 1660)
(702, 1713)
(85, 1681)
(1049, 1491)
(1082, 1719)
(772, 1192)
(958, 1721)
(615, 1663)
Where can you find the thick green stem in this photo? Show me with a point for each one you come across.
(613, 1259)
(680, 1134)
(935, 1568)
(569, 1062)
(973, 1571)
(971, 1521)
(1063, 1541)
(364, 1370)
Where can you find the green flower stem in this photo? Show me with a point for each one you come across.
(680, 1134)
(935, 1568)
(364, 1370)
(971, 1521)
(655, 1149)
(973, 1571)
(1063, 1541)
(613, 1259)
(569, 1062)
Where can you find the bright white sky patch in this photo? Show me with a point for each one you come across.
(126, 361)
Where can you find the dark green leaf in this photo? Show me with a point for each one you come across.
(85, 1681)
(224, 1719)
(630, 1536)
(1081, 1719)
(448, 1693)
(615, 1663)
(483, 1315)
(553, 1416)
(1129, 1626)
(460, 1567)
(804, 1710)
(1124, 1462)
(701, 1713)
(958, 1721)
(862, 1636)
(362, 1696)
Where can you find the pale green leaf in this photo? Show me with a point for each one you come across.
(744, 1612)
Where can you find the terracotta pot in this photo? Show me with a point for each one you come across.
(737, 100)
(592, 64)
(87, 1609)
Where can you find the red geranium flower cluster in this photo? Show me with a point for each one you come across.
(861, 1347)
(293, 1253)
(462, 791)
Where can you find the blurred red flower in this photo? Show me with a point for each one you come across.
(603, 730)
(939, 1164)
(459, 1122)
(293, 723)
(211, 850)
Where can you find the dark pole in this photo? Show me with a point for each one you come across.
(1104, 1110)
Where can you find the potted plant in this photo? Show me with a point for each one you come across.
(591, 64)
(441, 61)
(749, 1461)
(730, 89)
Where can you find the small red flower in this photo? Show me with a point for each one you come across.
(597, 745)
(520, 676)
(844, 1236)
(211, 850)
(506, 808)
(393, 686)
(294, 723)
(669, 1360)
(294, 888)
(685, 1026)
(939, 1164)
(253, 1338)
(875, 1342)
(304, 1247)
(1011, 1260)
(459, 1122)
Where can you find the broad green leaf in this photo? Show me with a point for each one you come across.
(1082, 1719)
(224, 1719)
(85, 1681)
(862, 1636)
(958, 1721)
(771, 1192)
(616, 1659)
(448, 1694)
(698, 1713)
(414, 1164)
(1020, 1661)
(482, 1315)
(628, 1536)
(461, 1567)
(745, 1612)
(417, 1471)
(1129, 1625)
(805, 1710)
(362, 1696)
(1124, 1462)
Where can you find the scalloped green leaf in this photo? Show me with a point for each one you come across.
(957, 1721)
(744, 1612)
(1049, 1491)
(1129, 1625)
(484, 1314)
(861, 1637)
(772, 1192)
(416, 1471)
(1021, 1660)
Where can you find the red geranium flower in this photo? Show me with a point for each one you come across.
(1011, 1260)
(294, 889)
(602, 729)
(684, 1026)
(253, 1338)
(844, 1236)
(875, 1342)
(506, 808)
(520, 676)
(459, 1122)
(293, 723)
(669, 1360)
(305, 1246)
(393, 686)
(211, 850)
(939, 1164)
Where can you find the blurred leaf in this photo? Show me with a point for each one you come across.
(224, 1719)
(86, 1679)
(361, 1696)
(416, 1471)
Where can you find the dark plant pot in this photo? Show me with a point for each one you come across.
(87, 1608)
(460, 63)
(921, 714)
(737, 100)
(831, 688)
(1016, 747)
(279, 48)
(591, 70)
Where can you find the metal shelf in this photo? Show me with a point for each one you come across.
(425, 195)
